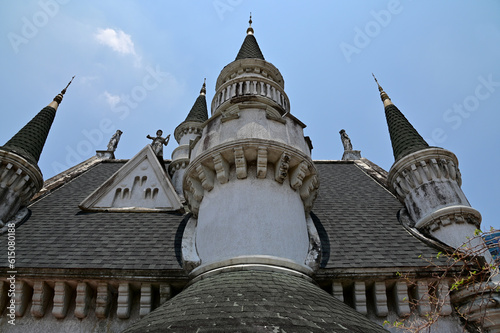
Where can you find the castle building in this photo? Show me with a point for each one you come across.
(241, 231)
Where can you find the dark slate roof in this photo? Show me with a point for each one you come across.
(254, 301)
(355, 215)
(404, 137)
(358, 225)
(199, 112)
(29, 141)
(250, 49)
(59, 235)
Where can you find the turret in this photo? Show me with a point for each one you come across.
(20, 176)
(251, 183)
(188, 132)
(427, 181)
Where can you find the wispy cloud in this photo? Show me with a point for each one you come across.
(88, 79)
(118, 41)
(111, 99)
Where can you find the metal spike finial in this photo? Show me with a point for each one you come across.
(64, 90)
(59, 97)
(383, 94)
(250, 29)
(203, 90)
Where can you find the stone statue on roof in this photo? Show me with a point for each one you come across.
(158, 143)
(113, 142)
(345, 140)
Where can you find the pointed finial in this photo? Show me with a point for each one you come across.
(383, 95)
(59, 97)
(203, 90)
(250, 29)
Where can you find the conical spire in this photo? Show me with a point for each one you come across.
(250, 48)
(404, 137)
(199, 111)
(29, 141)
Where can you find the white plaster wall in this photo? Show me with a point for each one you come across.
(177, 181)
(143, 187)
(251, 216)
(456, 235)
(180, 152)
(187, 137)
(432, 196)
(252, 124)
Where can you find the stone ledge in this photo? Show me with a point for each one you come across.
(263, 262)
(450, 215)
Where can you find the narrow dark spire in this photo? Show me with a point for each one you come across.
(404, 137)
(29, 141)
(199, 111)
(250, 48)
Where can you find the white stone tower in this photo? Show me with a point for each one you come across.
(427, 180)
(251, 183)
(186, 134)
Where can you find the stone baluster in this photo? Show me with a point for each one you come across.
(22, 297)
(338, 291)
(62, 297)
(401, 298)
(360, 297)
(103, 300)
(41, 297)
(146, 301)
(83, 298)
(380, 297)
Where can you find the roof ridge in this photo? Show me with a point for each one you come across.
(65, 177)
(375, 172)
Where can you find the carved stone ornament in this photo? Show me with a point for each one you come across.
(113, 142)
(218, 166)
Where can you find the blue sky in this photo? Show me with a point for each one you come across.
(139, 66)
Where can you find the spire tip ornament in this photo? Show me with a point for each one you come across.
(203, 90)
(250, 29)
(383, 95)
(59, 97)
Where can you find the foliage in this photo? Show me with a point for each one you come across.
(468, 276)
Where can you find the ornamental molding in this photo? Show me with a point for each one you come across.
(177, 164)
(232, 161)
(232, 109)
(188, 127)
(447, 216)
(19, 182)
(251, 88)
(250, 67)
(421, 167)
(16, 171)
(86, 300)
(480, 304)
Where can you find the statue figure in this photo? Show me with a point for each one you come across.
(113, 142)
(157, 145)
(345, 140)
